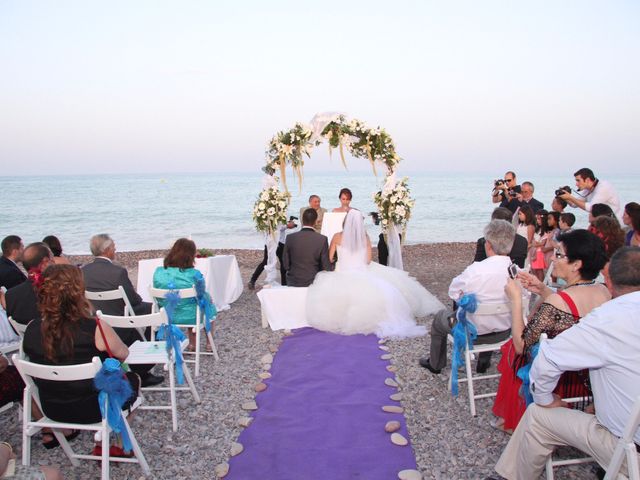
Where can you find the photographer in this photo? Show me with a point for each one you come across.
(383, 249)
(284, 230)
(592, 191)
(505, 192)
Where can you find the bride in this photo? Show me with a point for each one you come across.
(364, 297)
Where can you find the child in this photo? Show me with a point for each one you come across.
(566, 222)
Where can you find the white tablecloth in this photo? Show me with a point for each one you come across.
(221, 275)
(284, 307)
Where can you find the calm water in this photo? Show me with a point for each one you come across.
(151, 211)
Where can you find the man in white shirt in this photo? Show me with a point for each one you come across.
(592, 191)
(486, 280)
(606, 342)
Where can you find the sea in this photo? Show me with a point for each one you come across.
(150, 211)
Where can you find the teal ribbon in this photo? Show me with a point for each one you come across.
(464, 334)
(114, 390)
(204, 302)
(523, 374)
(174, 337)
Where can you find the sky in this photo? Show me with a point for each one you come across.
(201, 86)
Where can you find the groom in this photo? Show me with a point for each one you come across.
(305, 252)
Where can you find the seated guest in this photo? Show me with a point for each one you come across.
(578, 260)
(631, 219)
(605, 342)
(21, 301)
(567, 220)
(486, 280)
(67, 334)
(179, 272)
(22, 472)
(103, 275)
(11, 384)
(10, 273)
(314, 202)
(56, 248)
(518, 253)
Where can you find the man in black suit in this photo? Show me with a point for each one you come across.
(10, 273)
(305, 252)
(102, 275)
(518, 253)
(21, 302)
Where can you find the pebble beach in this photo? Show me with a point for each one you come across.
(448, 443)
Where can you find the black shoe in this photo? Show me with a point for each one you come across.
(149, 380)
(251, 285)
(424, 362)
(483, 365)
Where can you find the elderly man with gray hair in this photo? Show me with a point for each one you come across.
(102, 275)
(486, 280)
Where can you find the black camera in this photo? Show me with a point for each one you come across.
(563, 190)
(375, 217)
(292, 218)
(498, 183)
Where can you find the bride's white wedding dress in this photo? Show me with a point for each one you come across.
(368, 298)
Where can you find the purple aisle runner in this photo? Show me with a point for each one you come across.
(321, 416)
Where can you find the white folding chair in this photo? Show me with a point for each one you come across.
(86, 371)
(107, 295)
(184, 293)
(486, 309)
(139, 354)
(626, 447)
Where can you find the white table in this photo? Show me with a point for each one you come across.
(283, 307)
(221, 275)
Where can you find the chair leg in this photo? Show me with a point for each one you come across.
(136, 448)
(549, 467)
(106, 444)
(172, 395)
(66, 447)
(633, 471)
(192, 387)
(198, 351)
(214, 350)
(472, 400)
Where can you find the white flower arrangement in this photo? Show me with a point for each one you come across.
(287, 147)
(270, 209)
(394, 205)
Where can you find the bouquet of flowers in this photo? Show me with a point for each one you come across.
(394, 205)
(287, 147)
(270, 209)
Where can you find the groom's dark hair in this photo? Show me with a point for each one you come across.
(309, 217)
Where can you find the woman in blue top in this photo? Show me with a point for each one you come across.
(178, 272)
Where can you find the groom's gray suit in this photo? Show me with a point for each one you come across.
(305, 253)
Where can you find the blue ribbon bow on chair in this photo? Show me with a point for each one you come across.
(523, 374)
(464, 333)
(114, 390)
(172, 334)
(206, 306)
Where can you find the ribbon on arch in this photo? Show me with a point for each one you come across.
(464, 334)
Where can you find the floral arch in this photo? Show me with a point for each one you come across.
(289, 148)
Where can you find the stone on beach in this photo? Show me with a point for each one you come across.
(382, 341)
(392, 409)
(261, 387)
(236, 449)
(250, 405)
(221, 470)
(386, 356)
(383, 348)
(390, 382)
(396, 396)
(392, 426)
(264, 375)
(268, 358)
(245, 421)
(392, 368)
(266, 367)
(398, 439)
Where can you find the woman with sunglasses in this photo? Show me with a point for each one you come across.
(578, 260)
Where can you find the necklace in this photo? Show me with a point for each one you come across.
(581, 284)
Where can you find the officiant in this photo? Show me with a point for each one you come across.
(314, 202)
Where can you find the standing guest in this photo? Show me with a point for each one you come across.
(591, 191)
(567, 220)
(486, 280)
(67, 334)
(631, 219)
(538, 264)
(179, 272)
(558, 204)
(518, 253)
(526, 224)
(578, 260)
(553, 227)
(305, 253)
(103, 275)
(608, 229)
(314, 202)
(526, 197)
(10, 273)
(605, 341)
(345, 197)
(56, 248)
(284, 230)
(21, 302)
(600, 210)
(505, 193)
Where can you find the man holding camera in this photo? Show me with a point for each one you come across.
(505, 192)
(592, 191)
